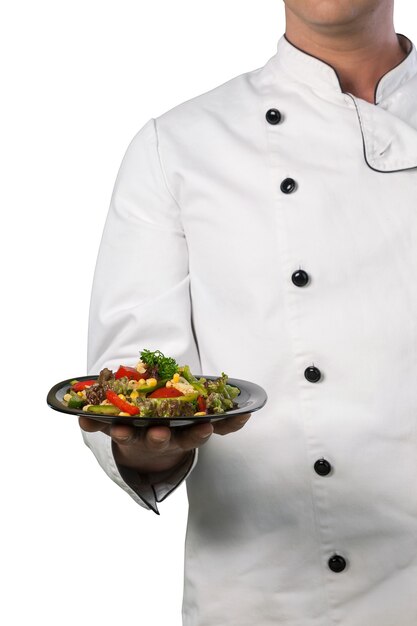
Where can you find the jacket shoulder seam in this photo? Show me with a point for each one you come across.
(161, 165)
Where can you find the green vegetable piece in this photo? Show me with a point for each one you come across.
(233, 391)
(148, 389)
(191, 397)
(197, 384)
(215, 403)
(75, 402)
(188, 397)
(103, 409)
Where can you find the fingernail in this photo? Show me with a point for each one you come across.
(205, 435)
(122, 439)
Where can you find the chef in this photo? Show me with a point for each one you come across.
(268, 228)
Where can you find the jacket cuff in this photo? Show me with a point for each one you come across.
(156, 486)
(145, 489)
(164, 485)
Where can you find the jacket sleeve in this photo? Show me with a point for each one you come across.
(140, 296)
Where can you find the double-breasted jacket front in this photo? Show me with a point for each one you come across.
(268, 228)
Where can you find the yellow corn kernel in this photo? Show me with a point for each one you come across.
(151, 381)
(168, 383)
(142, 381)
(80, 393)
(200, 413)
(121, 396)
(121, 414)
(176, 378)
(134, 395)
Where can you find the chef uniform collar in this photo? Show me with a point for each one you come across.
(389, 125)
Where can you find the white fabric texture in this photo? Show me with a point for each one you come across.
(198, 200)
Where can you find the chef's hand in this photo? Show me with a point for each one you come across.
(160, 448)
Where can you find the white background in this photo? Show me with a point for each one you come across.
(78, 80)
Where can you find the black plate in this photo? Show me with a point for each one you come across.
(251, 398)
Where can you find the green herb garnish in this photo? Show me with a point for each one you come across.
(167, 366)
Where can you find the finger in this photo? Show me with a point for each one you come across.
(124, 434)
(92, 426)
(157, 438)
(231, 424)
(193, 436)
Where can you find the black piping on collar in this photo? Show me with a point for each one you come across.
(318, 59)
(365, 156)
(410, 47)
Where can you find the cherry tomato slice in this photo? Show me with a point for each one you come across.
(130, 372)
(83, 384)
(165, 392)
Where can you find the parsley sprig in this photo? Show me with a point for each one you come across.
(167, 366)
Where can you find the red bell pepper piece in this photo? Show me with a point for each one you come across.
(201, 403)
(130, 372)
(165, 392)
(82, 384)
(124, 406)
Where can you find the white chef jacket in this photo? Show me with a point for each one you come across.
(280, 253)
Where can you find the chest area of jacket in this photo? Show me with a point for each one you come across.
(311, 200)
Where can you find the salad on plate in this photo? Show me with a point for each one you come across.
(156, 387)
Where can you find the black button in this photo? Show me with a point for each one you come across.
(322, 467)
(288, 185)
(337, 563)
(273, 116)
(300, 278)
(312, 374)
